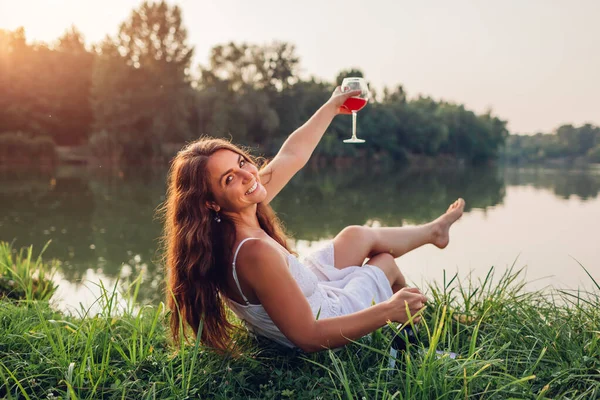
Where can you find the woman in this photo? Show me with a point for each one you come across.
(225, 247)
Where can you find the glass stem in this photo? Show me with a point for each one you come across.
(353, 124)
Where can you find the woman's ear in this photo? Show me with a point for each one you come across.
(213, 206)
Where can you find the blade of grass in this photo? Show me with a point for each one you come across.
(16, 382)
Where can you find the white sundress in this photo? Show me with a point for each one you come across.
(331, 292)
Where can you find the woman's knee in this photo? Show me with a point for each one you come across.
(352, 246)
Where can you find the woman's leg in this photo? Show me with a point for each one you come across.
(386, 262)
(356, 243)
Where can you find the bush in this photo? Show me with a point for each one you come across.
(594, 154)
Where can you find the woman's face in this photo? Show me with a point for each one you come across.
(234, 181)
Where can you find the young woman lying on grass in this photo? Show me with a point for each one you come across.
(226, 247)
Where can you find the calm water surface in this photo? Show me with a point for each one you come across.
(103, 225)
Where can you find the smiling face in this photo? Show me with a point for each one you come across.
(234, 181)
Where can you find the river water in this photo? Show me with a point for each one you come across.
(103, 224)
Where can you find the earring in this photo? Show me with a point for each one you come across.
(217, 217)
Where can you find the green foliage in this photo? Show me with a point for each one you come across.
(567, 143)
(140, 90)
(23, 277)
(133, 93)
(577, 141)
(352, 72)
(594, 154)
(269, 67)
(45, 91)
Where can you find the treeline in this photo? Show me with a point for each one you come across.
(568, 144)
(134, 93)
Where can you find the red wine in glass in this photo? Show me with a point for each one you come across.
(355, 104)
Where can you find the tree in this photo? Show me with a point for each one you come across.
(71, 88)
(578, 141)
(271, 67)
(421, 129)
(398, 96)
(352, 72)
(154, 37)
(245, 89)
(19, 82)
(281, 64)
(141, 91)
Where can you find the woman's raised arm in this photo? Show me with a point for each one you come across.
(298, 147)
(265, 270)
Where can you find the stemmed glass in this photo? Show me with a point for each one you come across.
(355, 103)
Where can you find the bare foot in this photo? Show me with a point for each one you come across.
(441, 226)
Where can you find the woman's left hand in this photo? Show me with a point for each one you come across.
(338, 98)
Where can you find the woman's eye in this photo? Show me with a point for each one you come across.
(242, 162)
(228, 179)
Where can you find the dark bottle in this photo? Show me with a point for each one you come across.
(405, 336)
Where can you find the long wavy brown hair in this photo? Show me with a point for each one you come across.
(198, 249)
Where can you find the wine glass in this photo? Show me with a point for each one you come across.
(355, 103)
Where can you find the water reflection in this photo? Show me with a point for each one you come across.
(316, 205)
(563, 183)
(95, 220)
(100, 220)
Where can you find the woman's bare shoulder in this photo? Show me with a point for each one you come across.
(259, 253)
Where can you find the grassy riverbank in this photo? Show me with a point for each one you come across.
(511, 344)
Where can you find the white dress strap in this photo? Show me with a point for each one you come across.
(235, 277)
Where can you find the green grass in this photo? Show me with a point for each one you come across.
(511, 344)
(23, 276)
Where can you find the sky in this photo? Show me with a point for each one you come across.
(535, 63)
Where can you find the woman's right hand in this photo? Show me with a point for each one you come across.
(399, 301)
(338, 98)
